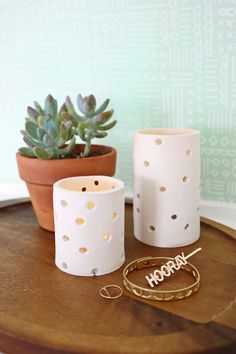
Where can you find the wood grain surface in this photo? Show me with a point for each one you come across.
(43, 310)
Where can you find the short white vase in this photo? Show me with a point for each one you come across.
(89, 225)
(166, 186)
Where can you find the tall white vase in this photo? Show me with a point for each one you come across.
(89, 225)
(166, 186)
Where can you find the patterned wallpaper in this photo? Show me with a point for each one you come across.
(163, 63)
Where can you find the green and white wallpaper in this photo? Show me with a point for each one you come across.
(163, 63)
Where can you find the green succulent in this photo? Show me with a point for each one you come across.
(46, 132)
(92, 123)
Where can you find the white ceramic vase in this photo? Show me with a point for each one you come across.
(166, 186)
(89, 225)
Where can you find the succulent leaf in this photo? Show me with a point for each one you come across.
(63, 131)
(26, 151)
(31, 142)
(42, 153)
(68, 117)
(87, 104)
(71, 110)
(28, 141)
(107, 126)
(41, 132)
(48, 140)
(102, 118)
(38, 108)
(99, 135)
(33, 114)
(51, 106)
(68, 149)
(102, 107)
(31, 129)
(40, 121)
(63, 108)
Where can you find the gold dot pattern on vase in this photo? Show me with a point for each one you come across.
(158, 141)
(106, 237)
(162, 189)
(90, 205)
(65, 238)
(114, 215)
(64, 203)
(79, 221)
(83, 250)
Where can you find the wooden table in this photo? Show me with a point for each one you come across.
(43, 310)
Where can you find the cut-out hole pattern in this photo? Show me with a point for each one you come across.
(174, 217)
(138, 210)
(186, 227)
(152, 228)
(162, 189)
(106, 237)
(64, 265)
(188, 153)
(90, 205)
(84, 189)
(65, 238)
(64, 203)
(79, 221)
(138, 195)
(146, 163)
(83, 250)
(94, 271)
(96, 183)
(114, 215)
(185, 179)
(158, 141)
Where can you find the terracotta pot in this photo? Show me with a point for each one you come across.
(40, 175)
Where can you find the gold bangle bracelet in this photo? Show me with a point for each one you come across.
(163, 295)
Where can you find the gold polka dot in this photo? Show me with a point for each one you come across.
(64, 265)
(185, 179)
(83, 250)
(158, 141)
(152, 228)
(64, 203)
(79, 221)
(65, 238)
(106, 237)
(146, 163)
(90, 205)
(162, 189)
(114, 215)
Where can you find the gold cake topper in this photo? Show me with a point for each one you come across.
(168, 268)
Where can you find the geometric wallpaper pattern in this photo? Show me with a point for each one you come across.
(163, 63)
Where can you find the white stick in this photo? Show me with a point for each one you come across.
(192, 253)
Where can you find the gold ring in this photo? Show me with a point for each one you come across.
(163, 295)
(105, 293)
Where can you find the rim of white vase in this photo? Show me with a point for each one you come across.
(75, 185)
(168, 132)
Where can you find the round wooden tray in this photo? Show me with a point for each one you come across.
(43, 310)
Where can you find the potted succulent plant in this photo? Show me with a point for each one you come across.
(52, 153)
